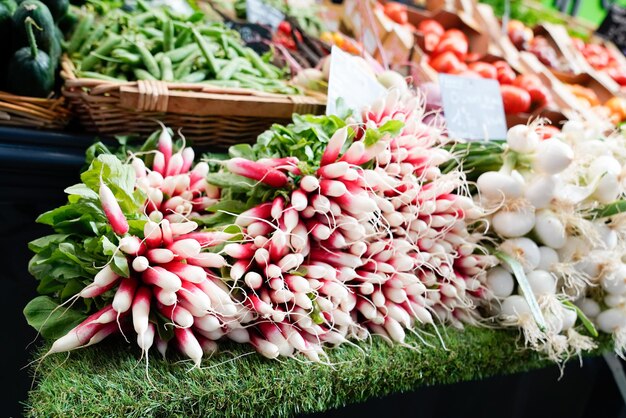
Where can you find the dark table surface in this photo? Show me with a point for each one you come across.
(35, 168)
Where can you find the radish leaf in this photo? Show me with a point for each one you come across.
(51, 319)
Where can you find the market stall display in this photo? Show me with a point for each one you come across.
(314, 232)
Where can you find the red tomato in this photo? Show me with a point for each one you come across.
(539, 94)
(618, 75)
(472, 56)
(396, 12)
(485, 70)
(505, 73)
(431, 26)
(447, 62)
(431, 40)
(456, 45)
(547, 131)
(515, 99)
(469, 73)
(454, 33)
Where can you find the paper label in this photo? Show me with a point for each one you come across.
(351, 82)
(472, 107)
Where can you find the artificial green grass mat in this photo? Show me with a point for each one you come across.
(109, 380)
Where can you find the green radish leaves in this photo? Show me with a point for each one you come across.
(391, 127)
(520, 276)
(51, 319)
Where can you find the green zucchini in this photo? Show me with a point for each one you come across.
(30, 71)
(46, 38)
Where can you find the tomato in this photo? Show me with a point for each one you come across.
(431, 26)
(515, 99)
(521, 37)
(284, 27)
(485, 70)
(447, 62)
(547, 131)
(456, 45)
(472, 56)
(539, 94)
(454, 33)
(396, 12)
(618, 75)
(431, 40)
(505, 74)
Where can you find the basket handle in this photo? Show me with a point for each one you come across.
(153, 96)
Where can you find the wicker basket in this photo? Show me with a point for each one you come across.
(33, 112)
(207, 115)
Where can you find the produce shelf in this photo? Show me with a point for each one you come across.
(110, 379)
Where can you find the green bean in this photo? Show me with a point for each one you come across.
(142, 18)
(104, 49)
(166, 69)
(152, 32)
(204, 48)
(126, 56)
(194, 77)
(250, 70)
(261, 65)
(168, 35)
(142, 74)
(148, 60)
(186, 65)
(223, 83)
(183, 38)
(179, 54)
(81, 33)
(98, 76)
(227, 71)
(93, 37)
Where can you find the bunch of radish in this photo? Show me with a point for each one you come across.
(173, 286)
(543, 206)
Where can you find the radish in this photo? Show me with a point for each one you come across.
(189, 345)
(256, 171)
(112, 210)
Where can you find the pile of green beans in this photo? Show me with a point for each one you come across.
(152, 43)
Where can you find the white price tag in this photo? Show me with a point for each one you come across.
(351, 82)
(263, 14)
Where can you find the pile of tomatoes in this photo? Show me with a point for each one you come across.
(602, 59)
(448, 52)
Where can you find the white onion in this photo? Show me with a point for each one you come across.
(514, 223)
(552, 156)
(522, 138)
(540, 191)
(541, 282)
(500, 282)
(548, 258)
(515, 305)
(524, 250)
(590, 307)
(611, 320)
(549, 229)
(496, 185)
(614, 282)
